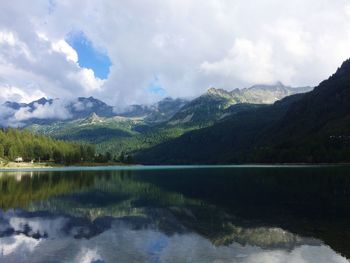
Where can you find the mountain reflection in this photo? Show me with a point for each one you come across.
(187, 215)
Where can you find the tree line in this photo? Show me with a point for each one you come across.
(21, 143)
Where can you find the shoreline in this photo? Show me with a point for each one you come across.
(51, 165)
(24, 167)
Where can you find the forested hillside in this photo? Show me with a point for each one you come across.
(228, 141)
(16, 143)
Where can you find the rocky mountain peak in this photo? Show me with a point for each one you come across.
(42, 101)
(217, 92)
(93, 118)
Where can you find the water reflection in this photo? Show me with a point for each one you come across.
(189, 215)
(45, 238)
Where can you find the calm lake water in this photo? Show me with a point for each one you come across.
(243, 214)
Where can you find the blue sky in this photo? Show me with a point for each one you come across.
(155, 87)
(88, 55)
(92, 58)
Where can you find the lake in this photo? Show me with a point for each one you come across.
(246, 214)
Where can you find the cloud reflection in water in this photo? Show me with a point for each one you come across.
(42, 237)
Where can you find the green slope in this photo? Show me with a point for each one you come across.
(230, 140)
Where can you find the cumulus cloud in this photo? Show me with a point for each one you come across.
(63, 47)
(188, 45)
(55, 110)
(35, 63)
(247, 61)
(12, 93)
(44, 111)
(81, 105)
(86, 78)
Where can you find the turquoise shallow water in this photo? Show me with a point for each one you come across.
(170, 167)
(249, 213)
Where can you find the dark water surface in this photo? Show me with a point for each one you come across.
(246, 214)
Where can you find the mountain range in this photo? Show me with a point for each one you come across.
(218, 103)
(208, 107)
(139, 128)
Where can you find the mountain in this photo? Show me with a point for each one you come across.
(310, 127)
(316, 128)
(268, 94)
(115, 134)
(47, 111)
(92, 129)
(215, 103)
(200, 112)
(84, 107)
(32, 105)
(136, 128)
(203, 110)
(27, 111)
(144, 126)
(156, 113)
(227, 141)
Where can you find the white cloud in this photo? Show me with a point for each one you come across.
(86, 78)
(38, 225)
(63, 47)
(189, 45)
(7, 38)
(11, 93)
(13, 48)
(88, 255)
(251, 62)
(32, 62)
(81, 106)
(347, 10)
(19, 244)
(55, 110)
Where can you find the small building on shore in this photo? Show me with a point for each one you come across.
(18, 159)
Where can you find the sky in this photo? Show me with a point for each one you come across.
(139, 51)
